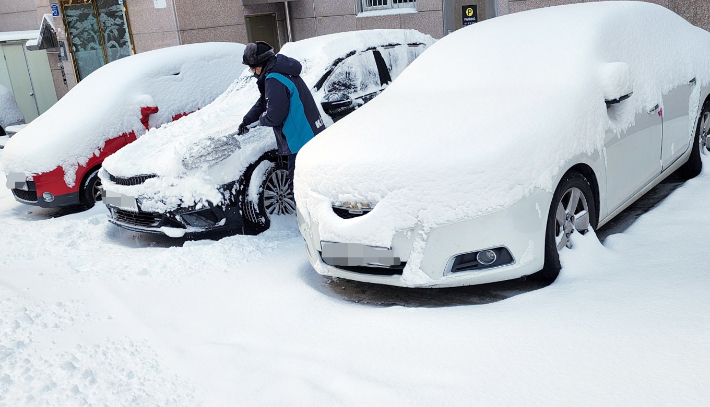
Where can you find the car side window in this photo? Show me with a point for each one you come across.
(398, 57)
(355, 76)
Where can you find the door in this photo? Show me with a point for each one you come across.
(263, 28)
(98, 33)
(634, 157)
(20, 81)
(677, 129)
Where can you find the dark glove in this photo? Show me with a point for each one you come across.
(243, 129)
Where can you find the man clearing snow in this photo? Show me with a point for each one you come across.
(286, 103)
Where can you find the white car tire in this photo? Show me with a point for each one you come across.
(694, 165)
(274, 198)
(573, 210)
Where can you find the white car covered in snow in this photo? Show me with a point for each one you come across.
(55, 160)
(196, 176)
(506, 137)
(10, 113)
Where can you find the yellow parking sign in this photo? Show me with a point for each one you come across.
(469, 15)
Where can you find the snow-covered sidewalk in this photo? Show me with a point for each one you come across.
(90, 313)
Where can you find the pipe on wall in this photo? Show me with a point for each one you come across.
(288, 22)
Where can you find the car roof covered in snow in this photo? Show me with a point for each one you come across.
(494, 110)
(160, 151)
(108, 102)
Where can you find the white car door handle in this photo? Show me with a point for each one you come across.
(654, 110)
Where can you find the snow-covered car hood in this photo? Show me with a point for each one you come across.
(108, 103)
(162, 151)
(490, 113)
(9, 111)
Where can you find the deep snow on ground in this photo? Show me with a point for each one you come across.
(90, 313)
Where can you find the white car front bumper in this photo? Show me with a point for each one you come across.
(519, 228)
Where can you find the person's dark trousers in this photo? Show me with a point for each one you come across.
(291, 170)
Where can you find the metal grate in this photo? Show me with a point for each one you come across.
(29, 196)
(137, 180)
(372, 5)
(145, 219)
(377, 271)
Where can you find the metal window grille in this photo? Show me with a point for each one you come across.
(371, 5)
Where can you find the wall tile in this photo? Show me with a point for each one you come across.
(234, 33)
(144, 18)
(20, 21)
(149, 41)
(428, 5)
(369, 23)
(330, 25)
(334, 8)
(198, 14)
(428, 22)
(14, 6)
(302, 8)
(303, 28)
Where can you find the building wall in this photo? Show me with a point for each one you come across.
(18, 15)
(319, 17)
(151, 27)
(695, 11)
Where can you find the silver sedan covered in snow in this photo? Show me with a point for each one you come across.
(503, 140)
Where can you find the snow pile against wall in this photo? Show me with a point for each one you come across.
(108, 103)
(9, 112)
(162, 151)
(492, 112)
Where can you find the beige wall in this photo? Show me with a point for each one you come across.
(18, 15)
(319, 17)
(151, 28)
(695, 11)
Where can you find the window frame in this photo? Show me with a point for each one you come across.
(388, 5)
(67, 3)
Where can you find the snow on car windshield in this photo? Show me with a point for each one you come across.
(108, 103)
(9, 112)
(163, 151)
(491, 112)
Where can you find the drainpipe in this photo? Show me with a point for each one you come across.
(288, 22)
(177, 23)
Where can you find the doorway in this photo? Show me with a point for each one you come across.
(263, 27)
(28, 76)
(98, 32)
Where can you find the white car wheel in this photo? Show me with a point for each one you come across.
(573, 210)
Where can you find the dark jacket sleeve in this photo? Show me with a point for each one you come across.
(256, 111)
(277, 103)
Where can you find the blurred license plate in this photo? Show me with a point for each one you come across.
(354, 254)
(120, 200)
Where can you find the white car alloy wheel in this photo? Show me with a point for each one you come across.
(573, 209)
(572, 215)
(278, 198)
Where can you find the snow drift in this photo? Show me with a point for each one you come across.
(9, 111)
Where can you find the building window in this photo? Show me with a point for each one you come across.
(98, 32)
(372, 5)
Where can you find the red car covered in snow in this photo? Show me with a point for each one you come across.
(55, 160)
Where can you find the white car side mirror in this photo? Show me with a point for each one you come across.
(616, 82)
